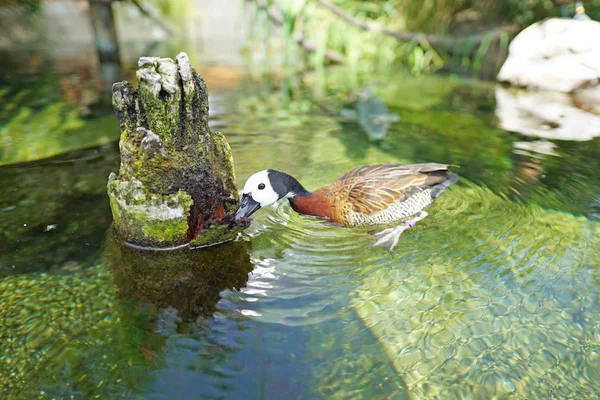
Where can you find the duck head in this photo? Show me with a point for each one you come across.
(265, 188)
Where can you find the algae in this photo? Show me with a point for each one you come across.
(63, 337)
(25, 137)
(99, 331)
(450, 334)
(30, 112)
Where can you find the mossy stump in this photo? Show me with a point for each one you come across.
(176, 183)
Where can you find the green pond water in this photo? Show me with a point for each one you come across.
(496, 294)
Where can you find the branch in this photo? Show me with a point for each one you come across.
(277, 19)
(445, 42)
(156, 19)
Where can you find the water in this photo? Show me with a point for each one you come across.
(495, 294)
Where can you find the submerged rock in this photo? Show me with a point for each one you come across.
(555, 54)
(176, 183)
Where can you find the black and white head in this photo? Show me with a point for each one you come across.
(265, 188)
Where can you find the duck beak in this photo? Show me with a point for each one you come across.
(247, 207)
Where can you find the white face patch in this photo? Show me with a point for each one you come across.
(265, 196)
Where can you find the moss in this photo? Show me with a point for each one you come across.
(162, 117)
(216, 233)
(149, 219)
(223, 170)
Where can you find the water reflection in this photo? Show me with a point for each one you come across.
(371, 113)
(187, 281)
(66, 193)
(547, 115)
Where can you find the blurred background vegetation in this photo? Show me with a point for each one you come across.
(427, 35)
(465, 36)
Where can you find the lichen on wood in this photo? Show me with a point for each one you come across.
(176, 181)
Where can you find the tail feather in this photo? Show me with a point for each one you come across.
(439, 188)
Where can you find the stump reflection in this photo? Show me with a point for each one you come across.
(187, 280)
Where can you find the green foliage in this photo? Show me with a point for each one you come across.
(29, 5)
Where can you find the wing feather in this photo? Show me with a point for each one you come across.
(374, 188)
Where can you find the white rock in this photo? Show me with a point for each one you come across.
(555, 54)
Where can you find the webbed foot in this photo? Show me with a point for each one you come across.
(388, 238)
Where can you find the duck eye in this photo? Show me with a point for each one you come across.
(261, 186)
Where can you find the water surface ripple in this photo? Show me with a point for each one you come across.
(494, 295)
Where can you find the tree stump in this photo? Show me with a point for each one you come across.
(176, 183)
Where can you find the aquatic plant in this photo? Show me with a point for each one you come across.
(62, 337)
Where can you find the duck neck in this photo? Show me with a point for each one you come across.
(302, 201)
(311, 204)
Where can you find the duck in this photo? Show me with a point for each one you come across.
(367, 196)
